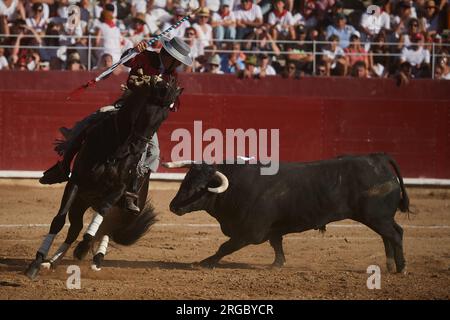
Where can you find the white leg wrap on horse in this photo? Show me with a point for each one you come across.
(95, 224)
(60, 252)
(46, 244)
(103, 245)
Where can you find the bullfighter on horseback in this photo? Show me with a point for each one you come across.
(173, 53)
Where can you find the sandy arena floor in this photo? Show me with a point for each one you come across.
(159, 266)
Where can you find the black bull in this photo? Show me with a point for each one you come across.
(253, 208)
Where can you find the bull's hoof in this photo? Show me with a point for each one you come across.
(83, 247)
(208, 263)
(403, 270)
(390, 264)
(98, 261)
(33, 270)
(277, 264)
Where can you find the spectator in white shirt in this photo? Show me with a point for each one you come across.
(248, 17)
(417, 56)
(264, 68)
(203, 28)
(37, 20)
(281, 22)
(372, 23)
(334, 58)
(181, 30)
(224, 23)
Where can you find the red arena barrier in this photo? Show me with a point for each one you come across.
(317, 118)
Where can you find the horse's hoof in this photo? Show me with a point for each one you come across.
(33, 270)
(98, 260)
(46, 265)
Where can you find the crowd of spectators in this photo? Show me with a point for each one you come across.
(249, 38)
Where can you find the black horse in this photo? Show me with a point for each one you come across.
(111, 149)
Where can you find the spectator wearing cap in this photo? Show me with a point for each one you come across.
(355, 51)
(417, 56)
(281, 22)
(213, 65)
(37, 20)
(108, 36)
(264, 68)
(334, 58)
(248, 17)
(203, 28)
(224, 23)
(250, 70)
(179, 13)
(341, 29)
(371, 23)
(138, 30)
(431, 20)
(74, 62)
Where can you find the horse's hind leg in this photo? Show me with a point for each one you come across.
(100, 254)
(58, 221)
(83, 247)
(76, 214)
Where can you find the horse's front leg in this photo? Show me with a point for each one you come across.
(83, 247)
(58, 222)
(100, 254)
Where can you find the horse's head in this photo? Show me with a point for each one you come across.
(156, 97)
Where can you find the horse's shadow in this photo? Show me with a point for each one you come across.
(20, 264)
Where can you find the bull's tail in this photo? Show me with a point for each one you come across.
(404, 201)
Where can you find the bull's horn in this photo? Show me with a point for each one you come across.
(223, 186)
(178, 164)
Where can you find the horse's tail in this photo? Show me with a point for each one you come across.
(124, 228)
(135, 226)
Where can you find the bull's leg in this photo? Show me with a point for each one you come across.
(226, 248)
(83, 247)
(76, 225)
(390, 232)
(100, 254)
(389, 249)
(398, 251)
(58, 221)
(276, 242)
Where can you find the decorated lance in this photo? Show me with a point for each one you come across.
(129, 56)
